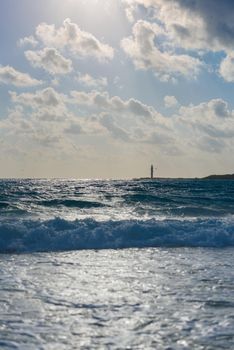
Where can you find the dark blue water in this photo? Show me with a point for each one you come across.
(172, 287)
(58, 215)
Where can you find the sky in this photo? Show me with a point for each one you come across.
(105, 88)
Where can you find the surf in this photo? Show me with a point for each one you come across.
(58, 234)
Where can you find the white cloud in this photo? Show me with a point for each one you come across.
(102, 101)
(193, 26)
(208, 126)
(146, 54)
(117, 132)
(91, 82)
(170, 101)
(47, 124)
(9, 75)
(55, 82)
(126, 120)
(213, 20)
(206, 25)
(216, 109)
(227, 68)
(79, 42)
(28, 41)
(50, 60)
(41, 98)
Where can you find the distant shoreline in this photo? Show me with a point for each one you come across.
(209, 177)
(219, 177)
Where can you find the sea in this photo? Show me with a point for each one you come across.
(116, 264)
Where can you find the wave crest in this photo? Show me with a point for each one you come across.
(59, 234)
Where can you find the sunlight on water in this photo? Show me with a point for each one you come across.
(172, 291)
(141, 299)
(54, 215)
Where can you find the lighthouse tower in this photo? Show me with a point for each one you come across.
(152, 171)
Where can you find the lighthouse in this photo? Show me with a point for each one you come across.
(152, 171)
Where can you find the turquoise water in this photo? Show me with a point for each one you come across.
(65, 282)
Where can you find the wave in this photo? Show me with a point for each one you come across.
(70, 203)
(4, 205)
(57, 234)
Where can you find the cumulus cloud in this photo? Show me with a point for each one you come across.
(190, 25)
(147, 54)
(79, 42)
(227, 68)
(91, 82)
(216, 22)
(28, 41)
(206, 25)
(9, 75)
(170, 101)
(28, 129)
(207, 126)
(42, 98)
(215, 109)
(117, 132)
(50, 60)
(48, 123)
(103, 101)
(126, 120)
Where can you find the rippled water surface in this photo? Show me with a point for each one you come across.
(66, 282)
(180, 298)
(56, 215)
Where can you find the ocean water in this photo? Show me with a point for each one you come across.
(135, 264)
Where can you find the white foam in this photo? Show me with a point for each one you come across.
(60, 234)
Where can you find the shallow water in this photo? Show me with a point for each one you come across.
(177, 298)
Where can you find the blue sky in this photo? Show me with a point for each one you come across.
(103, 88)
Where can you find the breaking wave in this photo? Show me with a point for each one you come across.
(25, 236)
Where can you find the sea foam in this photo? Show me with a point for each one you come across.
(25, 236)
